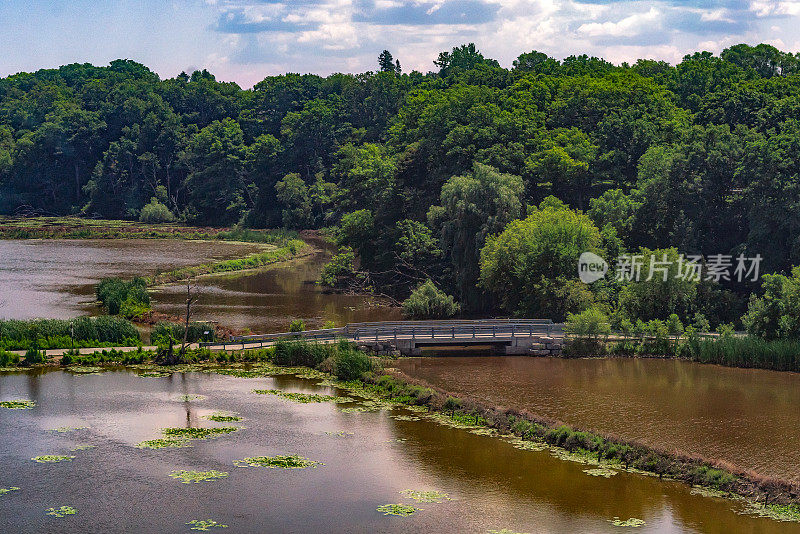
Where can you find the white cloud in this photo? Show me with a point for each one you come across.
(627, 27)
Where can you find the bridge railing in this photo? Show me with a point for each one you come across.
(409, 330)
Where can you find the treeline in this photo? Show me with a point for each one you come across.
(418, 171)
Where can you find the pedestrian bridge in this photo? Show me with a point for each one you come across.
(413, 338)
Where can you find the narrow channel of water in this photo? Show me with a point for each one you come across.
(749, 417)
(117, 487)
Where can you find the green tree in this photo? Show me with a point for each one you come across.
(532, 266)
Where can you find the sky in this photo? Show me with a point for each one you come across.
(246, 40)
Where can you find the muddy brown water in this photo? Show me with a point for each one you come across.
(748, 417)
(116, 487)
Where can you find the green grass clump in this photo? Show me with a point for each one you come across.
(3, 491)
(304, 398)
(18, 404)
(163, 443)
(204, 524)
(632, 522)
(221, 417)
(402, 510)
(426, 496)
(51, 459)
(61, 511)
(194, 477)
(291, 461)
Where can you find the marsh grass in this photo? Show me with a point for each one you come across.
(195, 477)
(18, 404)
(426, 496)
(51, 459)
(204, 524)
(402, 510)
(291, 461)
(61, 511)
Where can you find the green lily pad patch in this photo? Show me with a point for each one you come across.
(204, 524)
(65, 429)
(3, 491)
(291, 461)
(51, 459)
(632, 522)
(222, 417)
(17, 404)
(61, 511)
(402, 510)
(426, 496)
(303, 398)
(194, 477)
(601, 472)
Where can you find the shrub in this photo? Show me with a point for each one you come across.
(298, 325)
(292, 353)
(351, 364)
(8, 359)
(156, 212)
(33, 356)
(429, 302)
(162, 331)
(118, 295)
(340, 270)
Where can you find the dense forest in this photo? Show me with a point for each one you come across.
(485, 180)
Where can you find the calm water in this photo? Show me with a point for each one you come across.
(268, 300)
(117, 487)
(748, 417)
(56, 278)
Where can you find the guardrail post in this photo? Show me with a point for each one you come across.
(413, 333)
(513, 330)
(395, 335)
(493, 331)
(433, 335)
(453, 332)
(376, 335)
(473, 331)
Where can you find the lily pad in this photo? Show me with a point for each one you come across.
(61, 511)
(51, 459)
(3, 491)
(291, 461)
(204, 524)
(17, 404)
(426, 496)
(632, 522)
(304, 398)
(163, 443)
(402, 510)
(601, 472)
(194, 477)
(222, 417)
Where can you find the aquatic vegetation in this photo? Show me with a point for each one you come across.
(189, 398)
(65, 429)
(526, 445)
(504, 531)
(222, 417)
(204, 524)
(340, 433)
(601, 472)
(61, 511)
(163, 443)
(17, 404)
(85, 370)
(402, 510)
(51, 459)
(632, 522)
(155, 374)
(405, 418)
(197, 433)
(258, 372)
(777, 512)
(194, 477)
(304, 398)
(82, 447)
(291, 461)
(426, 496)
(359, 409)
(3, 491)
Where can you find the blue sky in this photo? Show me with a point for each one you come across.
(245, 40)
